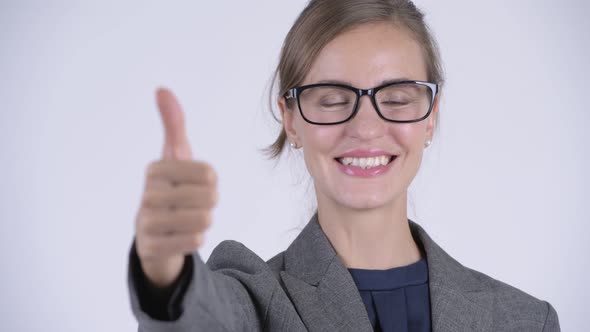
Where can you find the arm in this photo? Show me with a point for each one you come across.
(207, 301)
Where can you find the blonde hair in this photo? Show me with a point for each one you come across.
(322, 20)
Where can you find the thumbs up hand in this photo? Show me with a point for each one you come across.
(177, 202)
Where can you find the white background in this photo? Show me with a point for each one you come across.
(503, 189)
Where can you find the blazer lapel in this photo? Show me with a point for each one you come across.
(327, 299)
(321, 287)
(459, 301)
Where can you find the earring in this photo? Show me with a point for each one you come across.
(427, 144)
(294, 145)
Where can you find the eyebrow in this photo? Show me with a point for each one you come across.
(387, 81)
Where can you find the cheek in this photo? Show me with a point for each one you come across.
(319, 143)
(410, 136)
(318, 138)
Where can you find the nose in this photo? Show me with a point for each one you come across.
(366, 124)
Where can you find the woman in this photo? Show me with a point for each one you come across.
(359, 85)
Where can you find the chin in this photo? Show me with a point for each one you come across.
(364, 201)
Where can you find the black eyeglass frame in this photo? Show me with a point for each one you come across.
(296, 92)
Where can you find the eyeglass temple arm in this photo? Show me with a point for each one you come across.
(290, 94)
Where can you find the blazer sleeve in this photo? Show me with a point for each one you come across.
(552, 321)
(231, 292)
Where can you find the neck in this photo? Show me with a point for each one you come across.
(376, 239)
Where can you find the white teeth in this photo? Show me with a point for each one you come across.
(365, 163)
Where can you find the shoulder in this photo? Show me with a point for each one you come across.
(230, 254)
(456, 289)
(512, 306)
(234, 256)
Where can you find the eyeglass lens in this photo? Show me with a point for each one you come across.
(399, 102)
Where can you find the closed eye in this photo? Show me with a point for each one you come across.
(335, 104)
(394, 103)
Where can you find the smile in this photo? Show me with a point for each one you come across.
(367, 162)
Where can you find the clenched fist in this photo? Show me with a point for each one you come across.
(177, 202)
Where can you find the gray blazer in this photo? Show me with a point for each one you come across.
(307, 288)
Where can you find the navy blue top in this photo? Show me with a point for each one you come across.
(396, 299)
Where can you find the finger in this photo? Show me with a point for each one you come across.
(166, 222)
(181, 172)
(176, 144)
(164, 245)
(182, 196)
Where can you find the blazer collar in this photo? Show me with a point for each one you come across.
(326, 296)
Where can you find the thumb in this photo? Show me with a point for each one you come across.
(176, 144)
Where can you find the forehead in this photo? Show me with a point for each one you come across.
(368, 55)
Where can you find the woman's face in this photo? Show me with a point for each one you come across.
(364, 57)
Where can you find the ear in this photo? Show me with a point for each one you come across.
(432, 119)
(288, 117)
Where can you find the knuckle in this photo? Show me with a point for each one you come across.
(148, 223)
(208, 173)
(153, 169)
(148, 199)
(162, 171)
(205, 199)
(211, 175)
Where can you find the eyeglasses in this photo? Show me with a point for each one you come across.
(330, 104)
